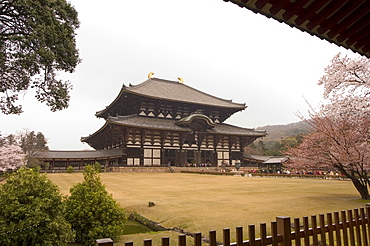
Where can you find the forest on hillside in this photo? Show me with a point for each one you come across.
(278, 139)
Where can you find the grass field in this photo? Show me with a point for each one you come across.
(199, 203)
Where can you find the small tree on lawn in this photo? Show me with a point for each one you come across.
(341, 128)
(92, 211)
(32, 211)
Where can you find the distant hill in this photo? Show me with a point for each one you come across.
(278, 132)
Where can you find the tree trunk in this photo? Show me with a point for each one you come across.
(361, 187)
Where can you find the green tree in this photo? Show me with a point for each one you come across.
(11, 140)
(92, 211)
(261, 146)
(41, 143)
(30, 144)
(37, 39)
(32, 211)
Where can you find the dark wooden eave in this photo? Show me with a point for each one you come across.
(343, 22)
(110, 131)
(171, 91)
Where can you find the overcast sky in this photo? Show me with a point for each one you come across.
(215, 46)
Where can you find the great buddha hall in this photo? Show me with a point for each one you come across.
(162, 123)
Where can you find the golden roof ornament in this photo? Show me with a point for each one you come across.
(180, 80)
(151, 75)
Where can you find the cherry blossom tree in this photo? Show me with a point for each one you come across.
(346, 88)
(341, 128)
(336, 144)
(11, 157)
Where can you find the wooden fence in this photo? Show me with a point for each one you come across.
(345, 228)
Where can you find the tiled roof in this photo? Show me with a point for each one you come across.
(146, 122)
(259, 158)
(266, 159)
(175, 91)
(224, 128)
(169, 124)
(79, 154)
(276, 159)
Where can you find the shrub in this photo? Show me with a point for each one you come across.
(97, 167)
(32, 211)
(70, 169)
(92, 211)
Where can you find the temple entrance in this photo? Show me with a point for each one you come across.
(200, 158)
(169, 157)
(191, 157)
(207, 158)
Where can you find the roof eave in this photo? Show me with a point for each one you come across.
(248, 6)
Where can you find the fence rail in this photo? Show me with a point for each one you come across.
(345, 228)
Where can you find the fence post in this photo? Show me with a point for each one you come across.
(104, 242)
(182, 240)
(239, 236)
(165, 241)
(283, 229)
(198, 239)
(212, 238)
(226, 237)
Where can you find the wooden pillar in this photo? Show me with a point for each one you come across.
(182, 152)
(229, 147)
(198, 153)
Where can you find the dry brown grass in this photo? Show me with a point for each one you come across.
(199, 203)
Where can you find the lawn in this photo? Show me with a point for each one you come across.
(199, 203)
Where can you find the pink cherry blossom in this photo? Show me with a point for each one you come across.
(11, 157)
(340, 137)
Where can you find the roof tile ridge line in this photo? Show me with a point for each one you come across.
(127, 89)
(222, 99)
(118, 116)
(116, 99)
(268, 158)
(123, 89)
(245, 128)
(190, 87)
(138, 85)
(96, 132)
(147, 81)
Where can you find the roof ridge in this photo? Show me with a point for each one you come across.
(148, 80)
(182, 84)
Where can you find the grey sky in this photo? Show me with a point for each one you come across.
(215, 46)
